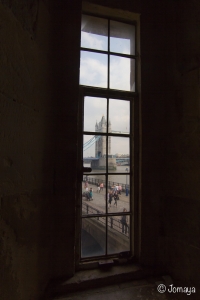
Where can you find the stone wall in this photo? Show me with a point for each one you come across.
(180, 205)
(37, 100)
(27, 151)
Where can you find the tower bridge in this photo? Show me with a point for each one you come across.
(99, 162)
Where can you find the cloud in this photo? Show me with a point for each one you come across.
(120, 73)
(93, 69)
(119, 112)
(120, 45)
(93, 41)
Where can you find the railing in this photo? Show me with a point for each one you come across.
(96, 181)
(113, 222)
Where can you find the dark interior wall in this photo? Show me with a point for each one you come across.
(27, 149)
(180, 222)
(156, 86)
(66, 52)
(39, 102)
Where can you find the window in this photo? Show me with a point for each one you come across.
(108, 64)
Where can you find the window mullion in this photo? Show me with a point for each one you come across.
(108, 54)
(108, 86)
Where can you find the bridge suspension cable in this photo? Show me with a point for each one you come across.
(95, 138)
(91, 142)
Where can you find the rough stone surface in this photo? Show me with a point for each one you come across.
(26, 155)
(179, 203)
(141, 289)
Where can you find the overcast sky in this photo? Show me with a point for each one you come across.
(93, 72)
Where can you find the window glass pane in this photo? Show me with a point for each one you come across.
(122, 38)
(93, 69)
(121, 151)
(119, 116)
(93, 236)
(122, 73)
(94, 152)
(95, 110)
(118, 193)
(118, 234)
(93, 194)
(105, 201)
(94, 33)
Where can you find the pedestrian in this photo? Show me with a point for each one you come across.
(124, 222)
(116, 198)
(88, 195)
(119, 189)
(98, 188)
(91, 194)
(101, 187)
(110, 198)
(108, 194)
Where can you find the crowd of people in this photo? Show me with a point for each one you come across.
(113, 194)
(88, 194)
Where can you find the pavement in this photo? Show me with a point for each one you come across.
(99, 201)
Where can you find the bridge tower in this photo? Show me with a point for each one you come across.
(100, 145)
